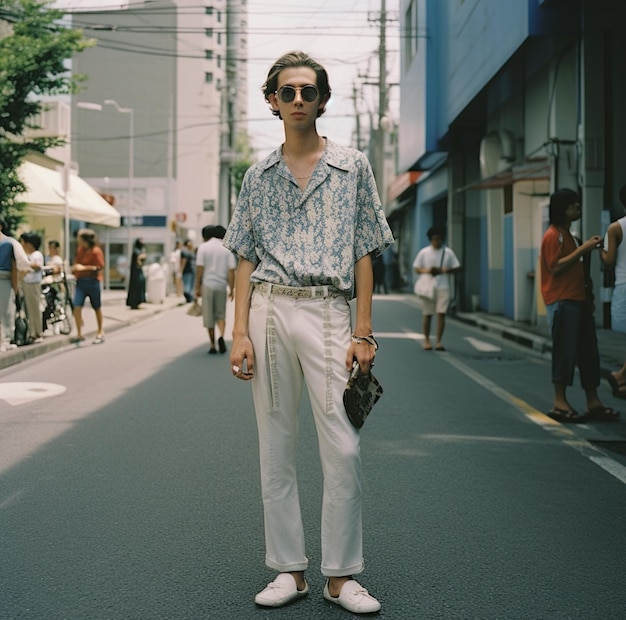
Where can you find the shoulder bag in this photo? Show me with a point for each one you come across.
(425, 285)
(20, 333)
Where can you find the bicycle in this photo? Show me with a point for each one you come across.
(56, 298)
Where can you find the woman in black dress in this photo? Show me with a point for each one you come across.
(137, 284)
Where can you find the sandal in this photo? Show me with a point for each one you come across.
(566, 416)
(619, 389)
(607, 414)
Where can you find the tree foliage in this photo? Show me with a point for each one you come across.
(34, 49)
(243, 160)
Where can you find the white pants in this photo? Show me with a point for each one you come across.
(297, 341)
(32, 301)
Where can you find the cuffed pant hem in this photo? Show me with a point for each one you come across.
(287, 568)
(344, 572)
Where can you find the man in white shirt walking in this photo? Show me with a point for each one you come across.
(439, 262)
(215, 273)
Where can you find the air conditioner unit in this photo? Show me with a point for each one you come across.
(497, 152)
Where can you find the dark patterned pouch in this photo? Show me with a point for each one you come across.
(362, 392)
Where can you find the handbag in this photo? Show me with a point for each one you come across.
(362, 392)
(425, 286)
(20, 332)
(195, 309)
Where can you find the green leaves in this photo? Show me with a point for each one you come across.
(35, 49)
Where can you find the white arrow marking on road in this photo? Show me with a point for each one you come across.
(20, 393)
(481, 345)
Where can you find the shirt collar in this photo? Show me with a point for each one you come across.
(333, 155)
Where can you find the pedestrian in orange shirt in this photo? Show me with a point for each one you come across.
(87, 269)
(567, 291)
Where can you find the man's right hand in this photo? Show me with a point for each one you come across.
(241, 350)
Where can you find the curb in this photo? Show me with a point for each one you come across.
(537, 342)
(53, 343)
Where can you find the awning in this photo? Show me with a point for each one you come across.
(532, 171)
(45, 197)
(401, 183)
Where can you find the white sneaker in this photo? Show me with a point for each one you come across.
(280, 591)
(354, 597)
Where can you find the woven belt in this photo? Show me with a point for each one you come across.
(297, 292)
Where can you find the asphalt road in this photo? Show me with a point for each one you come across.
(129, 485)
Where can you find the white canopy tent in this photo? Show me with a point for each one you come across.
(45, 197)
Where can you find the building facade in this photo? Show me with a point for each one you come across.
(501, 104)
(153, 125)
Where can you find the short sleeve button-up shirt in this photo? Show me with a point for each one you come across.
(311, 237)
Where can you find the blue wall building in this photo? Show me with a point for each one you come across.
(503, 101)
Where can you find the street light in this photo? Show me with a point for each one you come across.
(86, 105)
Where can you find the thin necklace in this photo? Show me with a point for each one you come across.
(295, 170)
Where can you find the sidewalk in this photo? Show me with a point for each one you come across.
(612, 345)
(116, 315)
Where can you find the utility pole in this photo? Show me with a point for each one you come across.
(227, 140)
(382, 67)
(357, 116)
(379, 134)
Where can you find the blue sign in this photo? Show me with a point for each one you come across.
(153, 221)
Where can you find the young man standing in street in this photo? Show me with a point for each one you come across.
(566, 290)
(215, 272)
(307, 222)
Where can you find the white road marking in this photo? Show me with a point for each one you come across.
(20, 393)
(482, 346)
(582, 446)
(404, 335)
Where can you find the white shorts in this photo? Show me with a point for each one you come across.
(438, 305)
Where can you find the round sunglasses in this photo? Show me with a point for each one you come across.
(287, 93)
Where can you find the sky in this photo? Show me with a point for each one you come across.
(343, 35)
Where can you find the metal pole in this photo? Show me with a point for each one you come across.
(131, 188)
(131, 179)
(66, 205)
(382, 104)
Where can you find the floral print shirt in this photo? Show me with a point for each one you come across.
(311, 237)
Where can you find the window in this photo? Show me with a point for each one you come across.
(208, 10)
(208, 32)
(208, 77)
(219, 16)
(208, 54)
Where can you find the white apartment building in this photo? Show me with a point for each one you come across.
(155, 124)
